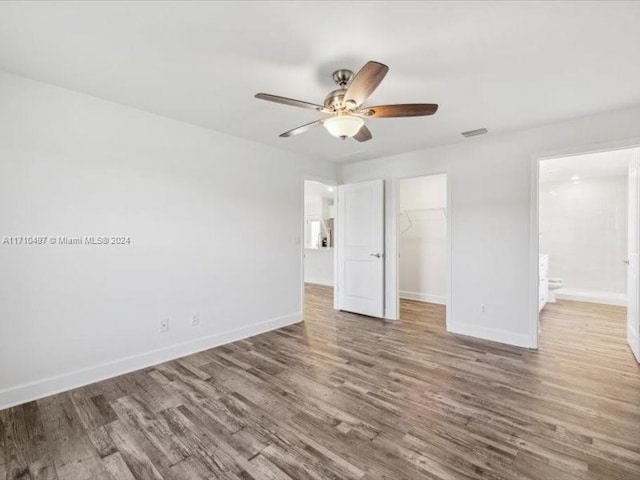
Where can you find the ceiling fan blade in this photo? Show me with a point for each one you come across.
(289, 101)
(363, 134)
(402, 110)
(302, 129)
(365, 82)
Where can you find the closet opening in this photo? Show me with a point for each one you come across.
(423, 249)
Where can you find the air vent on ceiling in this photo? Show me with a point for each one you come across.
(473, 133)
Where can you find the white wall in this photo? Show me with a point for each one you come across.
(583, 228)
(491, 188)
(213, 220)
(423, 238)
(318, 266)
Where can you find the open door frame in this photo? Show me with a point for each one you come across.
(333, 183)
(394, 245)
(633, 266)
(534, 218)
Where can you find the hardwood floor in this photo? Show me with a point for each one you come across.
(346, 397)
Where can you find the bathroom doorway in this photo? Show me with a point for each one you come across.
(586, 219)
(318, 253)
(423, 246)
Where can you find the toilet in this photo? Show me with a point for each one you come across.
(554, 284)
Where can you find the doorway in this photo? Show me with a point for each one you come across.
(587, 246)
(423, 245)
(319, 237)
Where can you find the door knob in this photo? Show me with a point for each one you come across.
(377, 255)
(627, 262)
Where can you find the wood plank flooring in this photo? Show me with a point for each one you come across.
(347, 397)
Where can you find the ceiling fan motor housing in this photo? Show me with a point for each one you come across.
(335, 98)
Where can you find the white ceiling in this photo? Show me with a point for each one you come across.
(502, 65)
(604, 164)
(316, 190)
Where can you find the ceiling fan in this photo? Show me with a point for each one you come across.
(344, 105)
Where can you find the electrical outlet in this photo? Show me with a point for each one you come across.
(195, 318)
(164, 325)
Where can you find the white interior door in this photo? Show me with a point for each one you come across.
(633, 265)
(360, 248)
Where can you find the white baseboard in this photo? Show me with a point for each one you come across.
(67, 381)
(495, 335)
(592, 296)
(424, 297)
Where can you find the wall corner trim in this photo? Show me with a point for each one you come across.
(20, 394)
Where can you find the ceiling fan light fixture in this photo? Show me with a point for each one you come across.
(343, 126)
